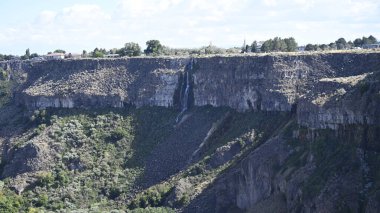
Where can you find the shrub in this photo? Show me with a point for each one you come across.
(116, 135)
(33, 210)
(45, 179)
(153, 210)
(62, 178)
(39, 116)
(39, 129)
(114, 192)
(185, 200)
(43, 200)
(3, 75)
(10, 202)
(153, 197)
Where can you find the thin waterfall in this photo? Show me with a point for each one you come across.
(185, 95)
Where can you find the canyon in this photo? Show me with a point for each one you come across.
(304, 127)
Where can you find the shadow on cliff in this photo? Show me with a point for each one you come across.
(175, 151)
(357, 105)
(266, 126)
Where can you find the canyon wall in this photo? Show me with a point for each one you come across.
(323, 89)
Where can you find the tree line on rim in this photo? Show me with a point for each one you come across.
(155, 48)
(342, 44)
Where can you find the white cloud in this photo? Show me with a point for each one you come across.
(270, 3)
(305, 4)
(180, 23)
(77, 25)
(363, 8)
(136, 8)
(83, 14)
(46, 17)
(217, 6)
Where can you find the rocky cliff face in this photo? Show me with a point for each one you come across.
(304, 139)
(99, 83)
(315, 86)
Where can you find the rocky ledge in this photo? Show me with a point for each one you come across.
(324, 90)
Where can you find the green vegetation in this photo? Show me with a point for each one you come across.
(363, 41)
(152, 197)
(10, 202)
(152, 210)
(102, 155)
(59, 51)
(153, 47)
(342, 44)
(130, 49)
(5, 57)
(279, 45)
(3, 75)
(236, 125)
(246, 130)
(98, 53)
(332, 157)
(5, 88)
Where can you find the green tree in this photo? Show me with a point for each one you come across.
(27, 53)
(245, 48)
(372, 39)
(59, 51)
(323, 47)
(98, 54)
(211, 49)
(349, 45)
(332, 46)
(254, 47)
(131, 49)
(310, 47)
(34, 55)
(267, 46)
(291, 44)
(154, 47)
(358, 42)
(341, 43)
(365, 40)
(279, 45)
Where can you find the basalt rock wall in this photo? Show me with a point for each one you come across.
(325, 90)
(90, 83)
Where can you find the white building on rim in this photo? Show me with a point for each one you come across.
(54, 56)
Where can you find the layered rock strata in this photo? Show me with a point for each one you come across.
(325, 90)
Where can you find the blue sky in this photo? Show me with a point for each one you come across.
(46, 25)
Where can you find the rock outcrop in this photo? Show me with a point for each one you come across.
(322, 157)
(313, 85)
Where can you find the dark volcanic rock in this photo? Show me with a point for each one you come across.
(29, 158)
(313, 85)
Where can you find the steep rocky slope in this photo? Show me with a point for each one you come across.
(308, 83)
(269, 133)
